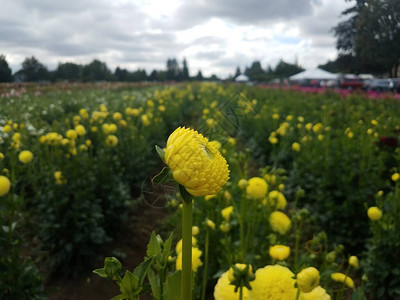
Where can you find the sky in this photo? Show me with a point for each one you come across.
(215, 36)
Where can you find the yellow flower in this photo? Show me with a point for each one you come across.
(161, 108)
(318, 293)
(210, 224)
(145, 120)
(395, 177)
(257, 188)
(195, 230)
(370, 131)
(65, 142)
(80, 130)
(340, 277)
(232, 141)
(42, 139)
(308, 126)
(308, 279)
(279, 252)
(88, 143)
(25, 156)
(374, 213)
(350, 134)
(6, 128)
(317, 127)
(1, 156)
(195, 163)
(122, 123)
(227, 212)
(84, 114)
(5, 185)
(16, 137)
(273, 283)
(196, 261)
(296, 147)
(273, 140)
(275, 116)
(353, 261)
(109, 128)
(111, 140)
(59, 177)
(223, 290)
(225, 227)
(279, 222)
(277, 200)
(117, 116)
(209, 197)
(216, 144)
(374, 122)
(71, 134)
(242, 184)
(300, 119)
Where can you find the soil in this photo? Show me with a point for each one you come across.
(93, 287)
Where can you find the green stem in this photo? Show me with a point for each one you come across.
(241, 293)
(298, 294)
(186, 288)
(204, 287)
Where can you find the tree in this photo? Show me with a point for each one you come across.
(96, 71)
(121, 74)
(237, 73)
(172, 69)
(199, 75)
(371, 35)
(153, 75)
(33, 70)
(5, 70)
(69, 72)
(284, 69)
(185, 70)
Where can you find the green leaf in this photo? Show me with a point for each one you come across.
(173, 287)
(161, 153)
(112, 266)
(155, 284)
(119, 297)
(154, 247)
(185, 194)
(101, 272)
(141, 270)
(164, 176)
(130, 285)
(167, 250)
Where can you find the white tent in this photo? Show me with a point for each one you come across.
(317, 74)
(242, 78)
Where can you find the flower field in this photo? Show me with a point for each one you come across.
(295, 196)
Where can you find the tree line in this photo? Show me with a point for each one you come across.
(32, 70)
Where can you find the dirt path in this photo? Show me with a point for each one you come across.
(91, 286)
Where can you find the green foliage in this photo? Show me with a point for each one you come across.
(5, 70)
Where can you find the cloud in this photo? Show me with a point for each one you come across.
(215, 36)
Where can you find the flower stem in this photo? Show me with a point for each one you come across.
(186, 282)
(207, 242)
(241, 293)
(298, 294)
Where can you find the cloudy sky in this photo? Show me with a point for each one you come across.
(214, 35)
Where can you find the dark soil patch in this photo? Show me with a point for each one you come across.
(129, 247)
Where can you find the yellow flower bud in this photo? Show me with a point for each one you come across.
(308, 279)
(374, 213)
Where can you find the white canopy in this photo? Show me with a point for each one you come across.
(242, 78)
(314, 74)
